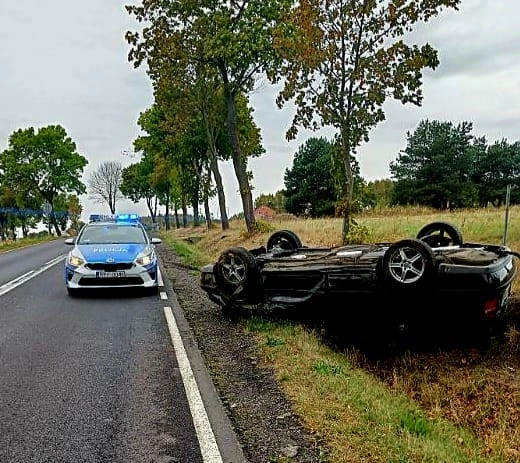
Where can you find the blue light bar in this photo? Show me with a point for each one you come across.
(131, 218)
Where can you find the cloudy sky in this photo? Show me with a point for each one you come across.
(65, 62)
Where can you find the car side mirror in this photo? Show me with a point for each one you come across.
(69, 241)
(156, 240)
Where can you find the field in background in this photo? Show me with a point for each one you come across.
(457, 404)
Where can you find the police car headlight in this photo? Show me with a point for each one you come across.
(75, 259)
(145, 259)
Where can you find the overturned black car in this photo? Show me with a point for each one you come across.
(435, 276)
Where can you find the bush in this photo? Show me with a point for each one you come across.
(358, 234)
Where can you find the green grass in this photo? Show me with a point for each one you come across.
(359, 417)
(189, 254)
(23, 242)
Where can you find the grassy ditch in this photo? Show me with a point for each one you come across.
(457, 404)
(8, 245)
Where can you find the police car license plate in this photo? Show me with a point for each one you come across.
(119, 274)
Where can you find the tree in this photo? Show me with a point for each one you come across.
(174, 171)
(343, 59)
(436, 166)
(232, 38)
(309, 185)
(191, 93)
(137, 184)
(275, 201)
(74, 210)
(496, 167)
(44, 162)
(104, 184)
(62, 210)
(381, 192)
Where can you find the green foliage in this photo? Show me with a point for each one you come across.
(231, 41)
(435, 167)
(495, 167)
(275, 201)
(358, 234)
(309, 184)
(445, 166)
(379, 192)
(261, 226)
(42, 165)
(74, 210)
(342, 60)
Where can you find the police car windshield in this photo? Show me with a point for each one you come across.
(112, 234)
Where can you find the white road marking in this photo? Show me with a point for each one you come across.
(159, 277)
(208, 444)
(9, 286)
(164, 296)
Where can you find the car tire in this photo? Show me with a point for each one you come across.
(408, 264)
(283, 240)
(437, 234)
(237, 275)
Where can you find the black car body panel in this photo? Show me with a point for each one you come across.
(410, 276)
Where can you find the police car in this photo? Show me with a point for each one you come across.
(111, 251)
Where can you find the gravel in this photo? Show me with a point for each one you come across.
(261, 415)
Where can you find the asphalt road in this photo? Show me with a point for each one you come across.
(92, 379)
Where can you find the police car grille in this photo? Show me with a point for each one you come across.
(127, 281)
(110, 267)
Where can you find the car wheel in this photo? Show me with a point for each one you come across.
(283, 240)
(437, 234)
(408, 264)
(237, 274)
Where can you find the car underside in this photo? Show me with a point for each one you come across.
(436, 275)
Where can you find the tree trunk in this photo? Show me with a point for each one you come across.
(213, 164)
(207, 213)
(196, 219)
(152, 209)
(349, 187)
(54, 221)
(177, 220)
(167, 214)
(184, 214)
(239, 163)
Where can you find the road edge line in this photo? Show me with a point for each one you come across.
(207, 442)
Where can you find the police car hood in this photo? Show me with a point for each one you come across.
(113, 252)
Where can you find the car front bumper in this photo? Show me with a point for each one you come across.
(135, 276)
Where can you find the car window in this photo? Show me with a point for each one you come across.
(112, 234)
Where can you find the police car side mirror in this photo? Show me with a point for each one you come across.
(156, 240)
(69, 241)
